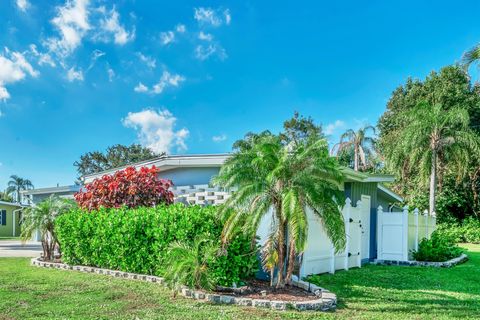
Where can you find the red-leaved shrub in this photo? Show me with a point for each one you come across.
(129, 187)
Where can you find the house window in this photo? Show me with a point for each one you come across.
(3, 217)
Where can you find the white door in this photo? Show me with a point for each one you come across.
(365, 225)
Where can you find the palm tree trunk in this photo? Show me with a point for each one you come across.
(355, 160)
(433, 182)
(291, 262)
(281, 255)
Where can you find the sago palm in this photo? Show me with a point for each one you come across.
(433, 138)
(282, 182)
(359, 144)
(41, 218)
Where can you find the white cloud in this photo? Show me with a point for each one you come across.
(43, 58)
(72, 23)
(205, 36)
(180, 28)
(213, 17)
(111, 74)
(156, 130)
(140, 88)
(203, 52)
(149, 61)
(13, 68)
(110, 24)
(23, 5)
(167, 37)
(73, 74)
(219, 138)
(167, 80)
(331, 127)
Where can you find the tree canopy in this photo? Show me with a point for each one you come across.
(115, 156)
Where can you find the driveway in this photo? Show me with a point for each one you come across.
(15, 248)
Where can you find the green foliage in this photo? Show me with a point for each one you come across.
(466, 231)
(190, 264)
(17, 184)
(358, 147)
(42, 218)
(288, 177)
(137, 240)
(115, 156)
(440, 247)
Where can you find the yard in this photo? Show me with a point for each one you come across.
(373, 292)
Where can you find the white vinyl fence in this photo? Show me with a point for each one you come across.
(398, 233)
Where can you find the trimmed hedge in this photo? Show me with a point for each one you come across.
(137, 240)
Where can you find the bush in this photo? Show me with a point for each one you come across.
(467, 231)
(130, 187)
(440, 247)
(137, 240)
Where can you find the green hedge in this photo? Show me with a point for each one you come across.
(467, 231)
(137, 240)
(440, 247)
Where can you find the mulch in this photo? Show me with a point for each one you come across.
(288, 293)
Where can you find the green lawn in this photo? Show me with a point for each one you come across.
(373, 292)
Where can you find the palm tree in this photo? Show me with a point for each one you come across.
(282, 182)
(41, 217)
(188, 264)
(17, 184)
(432, 138)
(359, 144)
(471, 56)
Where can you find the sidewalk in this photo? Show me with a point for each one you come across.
(15, 248)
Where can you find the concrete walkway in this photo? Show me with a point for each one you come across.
(15, 248)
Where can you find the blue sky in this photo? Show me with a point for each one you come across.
(194, 76)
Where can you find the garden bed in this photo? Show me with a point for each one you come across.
(300, 295)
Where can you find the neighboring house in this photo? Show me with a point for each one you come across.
(191, 175)
(10, 219)
(35, 196)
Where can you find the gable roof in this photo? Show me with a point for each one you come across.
(169, 162)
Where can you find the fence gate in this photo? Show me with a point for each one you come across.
(399, 233)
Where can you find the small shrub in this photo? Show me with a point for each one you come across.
(190, 265)
(138, 240)
(130, 187)
(440, 247)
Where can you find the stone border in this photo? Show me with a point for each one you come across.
(446, 264)
(327, 301)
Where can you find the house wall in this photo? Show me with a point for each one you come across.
(7, 230)
(37, 198)
(190, 176)
(354, 191)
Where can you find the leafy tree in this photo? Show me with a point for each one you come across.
(450, 88)
(471, 56)
(299, 129)
(270, 175)
(115, 156)
(433, 138)
(41, 217)
(4, 196)
(130, 187)
(359, 144)
(17, 184)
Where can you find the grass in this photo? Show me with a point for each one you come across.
(373, 292)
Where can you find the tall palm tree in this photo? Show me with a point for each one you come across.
(41, 217)
(17, 184)
(358, 143)
(282, 182)
(434, 137)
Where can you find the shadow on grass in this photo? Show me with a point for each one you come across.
(412, 290)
